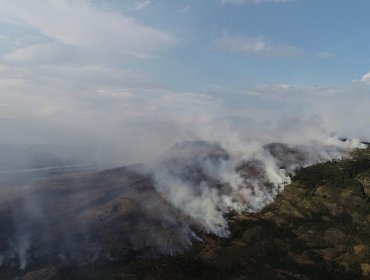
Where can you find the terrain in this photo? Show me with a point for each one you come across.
(318, 227)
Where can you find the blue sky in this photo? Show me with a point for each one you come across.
(88, 62)
(331, 41)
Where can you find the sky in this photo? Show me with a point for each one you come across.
(71, 68)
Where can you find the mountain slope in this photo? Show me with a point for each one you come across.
(317, 228)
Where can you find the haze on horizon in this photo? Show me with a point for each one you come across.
(112, 75)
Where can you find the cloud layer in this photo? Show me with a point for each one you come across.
(81, 26)
(93, 74)
(255, 2)
(259, 46)
(366, 78)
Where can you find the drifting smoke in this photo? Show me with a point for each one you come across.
(206, 181)
(161, 206)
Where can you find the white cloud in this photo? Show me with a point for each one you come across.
(92, 95)
(366, 78)
(80, 24)
(254, 46)
(185, 10)
(47, 52)
(290, 93)
(255, 2)
(325, 55)
(142, 5)
(344, 108)
(114, 109)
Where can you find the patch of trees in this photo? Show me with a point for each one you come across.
(339, 174)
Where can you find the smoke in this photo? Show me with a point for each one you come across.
(159, 207)
(18, 252)
(23, 246)
(228, 172)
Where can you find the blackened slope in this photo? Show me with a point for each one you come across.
(77, 219)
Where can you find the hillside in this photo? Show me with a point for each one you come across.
(317, 228)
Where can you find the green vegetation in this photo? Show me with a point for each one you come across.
(336, 173)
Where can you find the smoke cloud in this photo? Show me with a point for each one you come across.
(207, 180)
(161, 205)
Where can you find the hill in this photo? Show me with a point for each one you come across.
(317, 228)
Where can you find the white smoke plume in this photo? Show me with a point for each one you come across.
(214, 169)
(23, 246)
(207, 180)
